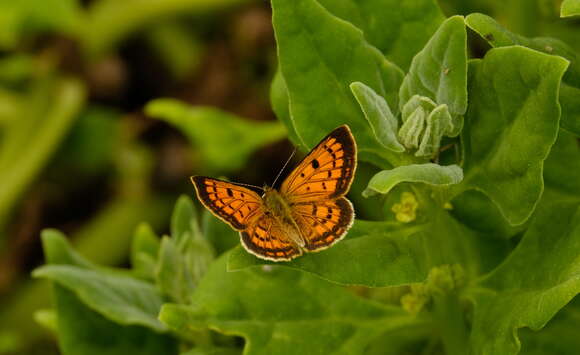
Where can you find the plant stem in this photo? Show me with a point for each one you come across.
(449, 316)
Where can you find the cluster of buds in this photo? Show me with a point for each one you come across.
(424, 125)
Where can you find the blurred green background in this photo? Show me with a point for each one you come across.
(108, 106)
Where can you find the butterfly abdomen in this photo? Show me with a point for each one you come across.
(278, 207)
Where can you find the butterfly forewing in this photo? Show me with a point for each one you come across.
(326, 172)
(323, 223)
(235, 204)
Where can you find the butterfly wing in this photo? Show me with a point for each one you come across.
(326, 172)
(323, 223)
(236, 205)
(266, 239)
(315, 190)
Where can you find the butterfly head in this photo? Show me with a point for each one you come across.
(275, 202)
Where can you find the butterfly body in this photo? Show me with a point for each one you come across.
(309, 212)
(277, 206)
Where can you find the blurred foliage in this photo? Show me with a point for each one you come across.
(107, 107)
(224, 141)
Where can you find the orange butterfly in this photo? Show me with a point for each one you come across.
(309, 213)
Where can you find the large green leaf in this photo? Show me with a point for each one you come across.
(397, 28)
(558, 337)
(570, 8)
(497, 36)
(122, 299)
(83, 331)
(393, 253)
(478, 212)
(224, 140)
(89, 301)
(318, 70)
(439, 71)
(281, 311)
(511, 124)
(281, 105)
(431, 174)
(386, 254)
(536, 280)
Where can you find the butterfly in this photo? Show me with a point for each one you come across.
(309, 212)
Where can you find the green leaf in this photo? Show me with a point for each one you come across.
(318, 70)
(562, 168)
(398, 29)
(511, 124)
(122, 299)
(439, 71)
(224, 140)
(387, 254)
(170, 274)
(570, 102)
(183, 219)
(31, 138)
(221, 236)
(83, 331)
(281, 106)
(144, 251)
(478, 212)
(113, 225)
(431, 174)
(318, 318)
(177, 47)
(536, 280)
(19, 19)
(108, 22)
(559, 336)
(570, 8)
(497, 36)
(92, 143)
(81, 326)
(213, 351)
(183, 258)
(377, 112)
(46, 318)
(439, 123)
(394, 253)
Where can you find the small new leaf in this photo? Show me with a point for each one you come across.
(439, 71)
(431, 174)
(377, 112)
(570, 8)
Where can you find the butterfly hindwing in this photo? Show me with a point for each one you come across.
(266, 239)
(234, 204)
(326, 172)
(323, 223)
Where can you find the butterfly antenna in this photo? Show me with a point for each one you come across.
(284, 167)
(250, 185)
